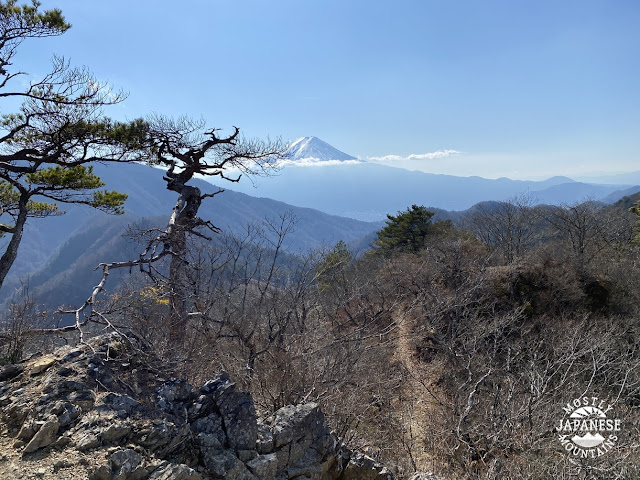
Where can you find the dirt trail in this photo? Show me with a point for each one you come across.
(45, 465)
(419, 408)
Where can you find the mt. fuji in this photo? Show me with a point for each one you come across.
(312, 148)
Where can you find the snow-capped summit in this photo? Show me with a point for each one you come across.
(312, 148)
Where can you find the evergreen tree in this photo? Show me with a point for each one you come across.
(407, 230)
(46, 146)
(330, 271)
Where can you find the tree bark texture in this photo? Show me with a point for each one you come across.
(11, 252)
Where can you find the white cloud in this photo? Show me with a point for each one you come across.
(434, 155)
(395, 159)
(315, 162)
(415, 156)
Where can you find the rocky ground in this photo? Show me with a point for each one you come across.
(105, 410)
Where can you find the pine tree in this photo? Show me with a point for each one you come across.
(407, 230)
(46, 147)
(330, 271)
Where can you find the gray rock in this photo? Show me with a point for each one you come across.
(298, 448)
(219, 462)
(209, 441)
(177, 439)
(85, 440)
(198, 408)
(82, 398)
(10, 372)
(19, 444)
(28, 430)
(71, 386)
(172, 471)
(140, 473)
(61, 442)
(72, 353)
(211, 424)
(264, 466)
(125, 465)
(237, 410)
(239, 472)
(156, 436)
(311, 471)
(294, 422)
(282, 455)
(362, 467)
(66, 412)
(172, 394)
(101, 472)
(15, 413)
(65, 371)
(116, 402)
(44, 437)
(246, 455)
(224, 464)
(265, 439)
(115, 432)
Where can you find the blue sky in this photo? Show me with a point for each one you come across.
(508, 88)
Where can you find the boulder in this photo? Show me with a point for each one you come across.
(126, 465)
(44, 437)
(171, 471)
(236, 409)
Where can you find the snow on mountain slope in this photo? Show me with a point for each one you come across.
(312, 148)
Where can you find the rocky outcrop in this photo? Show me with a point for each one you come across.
(106, 401)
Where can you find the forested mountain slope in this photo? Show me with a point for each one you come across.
(64, 250)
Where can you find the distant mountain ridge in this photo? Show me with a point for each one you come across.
(629, 178)
(368, 191)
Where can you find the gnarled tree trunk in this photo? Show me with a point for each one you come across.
(183, 219)
(10, 254)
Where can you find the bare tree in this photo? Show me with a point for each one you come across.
(186, 149)
(508, 227)
(17, 325)
(255, 293)
(584, 227)
(497, 374)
